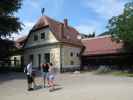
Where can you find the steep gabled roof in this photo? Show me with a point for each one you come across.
(67, 35)
(101, 45)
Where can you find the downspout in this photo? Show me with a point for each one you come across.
(81, 58)
(61, 69)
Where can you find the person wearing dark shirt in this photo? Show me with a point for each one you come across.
(45, 70)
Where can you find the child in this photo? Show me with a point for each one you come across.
(51, 77)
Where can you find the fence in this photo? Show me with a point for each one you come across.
(10, 63)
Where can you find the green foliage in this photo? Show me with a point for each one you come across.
(103, 34)
(121, 73)
(121, 27)
(6, 47)
(8, 22)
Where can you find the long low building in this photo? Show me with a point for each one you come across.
(103, 50)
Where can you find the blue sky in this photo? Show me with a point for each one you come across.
(86, 16)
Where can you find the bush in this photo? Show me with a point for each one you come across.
(103, 69)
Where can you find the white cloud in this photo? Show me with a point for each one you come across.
(56, 7)
(86, 29)
(35, 3)
(105, 8)
(90, 26)
(52, 7)
(27, 27)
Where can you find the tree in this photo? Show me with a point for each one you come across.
(121, 26)
(8, 22)
(104, 33)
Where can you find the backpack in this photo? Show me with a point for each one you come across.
(25, 70)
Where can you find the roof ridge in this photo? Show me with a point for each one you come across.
(47, 17)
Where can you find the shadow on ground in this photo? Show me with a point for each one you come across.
(57, 89)
(11, 76)
(5, 77)
(38, 87)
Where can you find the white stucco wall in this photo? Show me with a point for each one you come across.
(54, 51)
(42, 46)
(67, 58)
(49, 38)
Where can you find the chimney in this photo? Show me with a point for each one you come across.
(61, 30)
(65, 23)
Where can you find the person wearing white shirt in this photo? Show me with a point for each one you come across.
(28, 71)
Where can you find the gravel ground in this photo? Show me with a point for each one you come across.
(85, 86)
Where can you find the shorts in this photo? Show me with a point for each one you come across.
(45, 75)
(33, 74)
(50, 77)
(29, 79)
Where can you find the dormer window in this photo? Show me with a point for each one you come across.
(35, 37)
(42, 35)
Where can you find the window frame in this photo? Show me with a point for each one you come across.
(35, 37)
(71, 62)
(71, 54)
(43, 36)
(77, 54)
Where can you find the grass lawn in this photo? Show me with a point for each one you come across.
(121, 73)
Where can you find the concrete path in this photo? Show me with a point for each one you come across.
(84, 86)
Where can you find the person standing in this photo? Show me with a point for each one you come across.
(51, 77)
(45, 70)
(33, 77)
(28, 71)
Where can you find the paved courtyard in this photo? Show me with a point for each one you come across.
(86, 86)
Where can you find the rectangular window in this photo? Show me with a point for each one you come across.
(35, 37)
(47, 57)
(77, 54)
(42, 35)
(71, 54)
(39, 60)
(71, 62)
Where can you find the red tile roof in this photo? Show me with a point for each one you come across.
(67, 34)
(101, 45)
(20, 42)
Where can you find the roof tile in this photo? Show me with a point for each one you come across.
(101, 45)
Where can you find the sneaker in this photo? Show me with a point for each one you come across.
(30, 89)
(50, 90)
